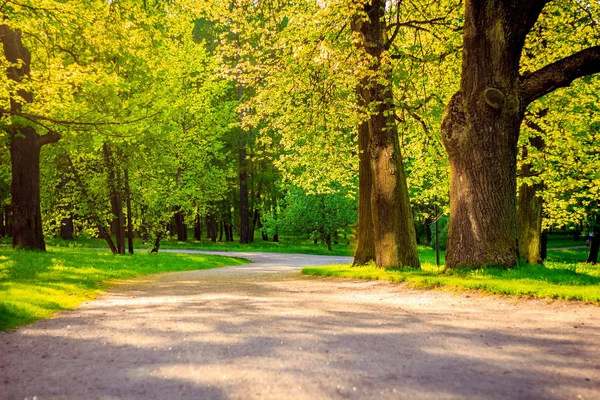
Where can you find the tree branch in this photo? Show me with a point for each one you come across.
(50, 137)
(38, 118)
(560, 74)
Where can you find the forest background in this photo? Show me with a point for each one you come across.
(244, 118)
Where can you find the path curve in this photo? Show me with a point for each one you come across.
(264, 331)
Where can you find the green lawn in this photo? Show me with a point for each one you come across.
(35, 285)
(286, 244)
(562, 240)
(563, 276)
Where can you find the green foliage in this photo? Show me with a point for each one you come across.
(36, 285)
(318, 216)
(564, 276)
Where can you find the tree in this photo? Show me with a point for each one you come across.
(395, 240)
(25, 146)
(320, 216)
(482, 123)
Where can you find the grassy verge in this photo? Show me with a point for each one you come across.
(563, 276)
(286, 244)
(36, 285)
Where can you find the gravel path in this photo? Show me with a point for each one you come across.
(265, 331)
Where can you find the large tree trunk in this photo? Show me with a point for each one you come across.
(25, 189)
(480, 129)
(395, 242)
(25, 147)
(365, 232)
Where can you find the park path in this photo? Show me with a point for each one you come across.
(264, 331)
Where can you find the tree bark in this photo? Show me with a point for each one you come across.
(25, 147)
(129, 212)
(243, 178)
(365, 232)
(529, 222)
(116, 199)
(481, 127)
(544, 250)
(66, 228)
(25, 189)
(529, 212)
(180, 226)
(328, 242)
(395, 241)
(198, 228)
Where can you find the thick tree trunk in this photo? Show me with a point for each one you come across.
(25, 147)
(328, 242)
(365, 232)
(276, 238)
(25, 189)
(221, 228)
(116, 199)
(66, 228)
(395, 242)
(480, 129)
(129, 212)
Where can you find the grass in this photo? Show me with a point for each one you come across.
(286, 244)
(36, 285)
(563, 276)
(562, 240)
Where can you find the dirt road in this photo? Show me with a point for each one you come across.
(265, 331)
